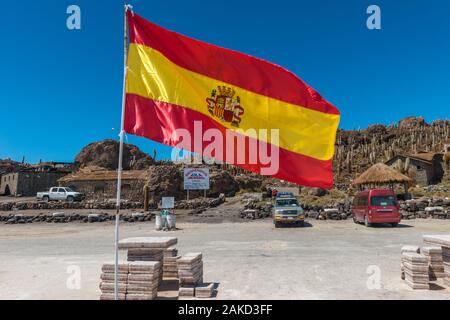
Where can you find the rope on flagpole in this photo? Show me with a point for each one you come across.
(120, 165)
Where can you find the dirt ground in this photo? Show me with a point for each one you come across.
(248, 260)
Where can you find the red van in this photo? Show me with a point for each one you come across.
(376, 206)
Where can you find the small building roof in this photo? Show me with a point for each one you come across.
(427, 157)
(100, 174)
(381, 174)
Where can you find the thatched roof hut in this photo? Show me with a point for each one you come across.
(381, 174)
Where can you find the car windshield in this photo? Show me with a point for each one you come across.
(287, 202)
(383, 201)
(284, 194)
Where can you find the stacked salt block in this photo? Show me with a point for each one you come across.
(136, 280)
(416, 270)
(204, 291)
(444, 242)
(404, 249)
(107, 281)
(446, 262)
(147, 248)
(144, 254)
(186, 291)
(190, 273)
(143, 280)
(170, 269)
(435, 262)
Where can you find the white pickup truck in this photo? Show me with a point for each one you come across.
(60, 194)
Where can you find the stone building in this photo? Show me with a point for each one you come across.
(33, 178)
(424, 168)
(100, 184)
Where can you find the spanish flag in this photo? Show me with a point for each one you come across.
(175, 82)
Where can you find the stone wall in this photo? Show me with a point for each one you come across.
(132, 190)
(29, 183)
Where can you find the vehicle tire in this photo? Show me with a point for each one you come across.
(366, 222)
(45, 199)
(70, 199)
(395, 224)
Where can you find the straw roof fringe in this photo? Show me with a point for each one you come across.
(381, 174)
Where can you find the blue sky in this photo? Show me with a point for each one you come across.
(61, 89)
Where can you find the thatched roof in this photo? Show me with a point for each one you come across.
(381, 174)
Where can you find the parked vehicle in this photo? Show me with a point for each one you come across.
(376, 206)
(288, 210)
(60, 194)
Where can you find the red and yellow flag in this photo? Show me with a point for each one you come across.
(174, 81)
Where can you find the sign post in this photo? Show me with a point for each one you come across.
(168, 202)
(196, 179)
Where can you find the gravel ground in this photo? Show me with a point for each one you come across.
(248, 260)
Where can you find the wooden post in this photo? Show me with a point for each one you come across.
(146, 197)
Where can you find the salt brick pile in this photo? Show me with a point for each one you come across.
(444, 242)
(107, 281)
(435, 262)
(446, 262)
(143, 280)
(170, 269)
(136, 280)
(204, 291)
(144, 254)
(147, 249)
(416, 270)
(190, 273)
(404, 249)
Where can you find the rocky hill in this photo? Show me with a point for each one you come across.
(105, 154)
(357, 150)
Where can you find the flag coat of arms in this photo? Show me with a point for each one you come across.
(174, 81)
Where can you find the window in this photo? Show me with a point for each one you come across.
(61, 190)
(287, 202)
(383, 201)
(361, 201)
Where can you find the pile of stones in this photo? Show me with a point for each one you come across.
(425, 208)
(60, 205)
(65, 217)
(200, 203)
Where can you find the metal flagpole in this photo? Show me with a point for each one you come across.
(119, 169)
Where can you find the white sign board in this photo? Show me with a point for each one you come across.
(196, 179)
(168, 202)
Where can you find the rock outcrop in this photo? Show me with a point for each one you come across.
(105, 153)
